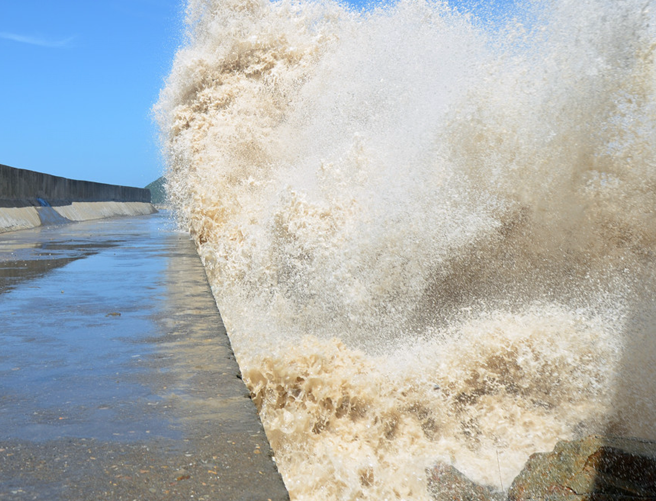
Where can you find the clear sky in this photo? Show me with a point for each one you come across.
(78, 79)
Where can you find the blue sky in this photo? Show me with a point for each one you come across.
(78, 80)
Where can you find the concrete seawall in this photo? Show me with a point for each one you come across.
(22, 184)
(29, 199)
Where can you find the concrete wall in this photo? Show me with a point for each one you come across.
(23, 187)
(71, 200)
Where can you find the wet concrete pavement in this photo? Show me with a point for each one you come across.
(117, 380)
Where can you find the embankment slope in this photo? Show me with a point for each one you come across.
(29, 199)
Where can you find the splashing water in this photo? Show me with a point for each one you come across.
(430, 239)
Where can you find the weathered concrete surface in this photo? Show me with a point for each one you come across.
(86, 211)
(26, 185)
(18, 218)
(117, 380)
(23, 194)
(21, 218)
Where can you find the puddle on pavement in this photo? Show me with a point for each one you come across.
(117, 380)
(73, 307)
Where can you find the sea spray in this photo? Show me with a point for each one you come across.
(430, 238)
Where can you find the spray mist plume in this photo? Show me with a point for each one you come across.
(429, 238)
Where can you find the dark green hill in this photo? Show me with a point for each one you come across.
(157, 191)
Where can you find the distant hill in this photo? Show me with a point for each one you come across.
(157, 191)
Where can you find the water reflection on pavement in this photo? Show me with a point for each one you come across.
(117, 379)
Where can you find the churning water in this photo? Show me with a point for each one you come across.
(430, 238)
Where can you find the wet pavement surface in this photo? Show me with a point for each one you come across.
(117, 380)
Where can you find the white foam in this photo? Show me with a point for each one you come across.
(400, 200)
